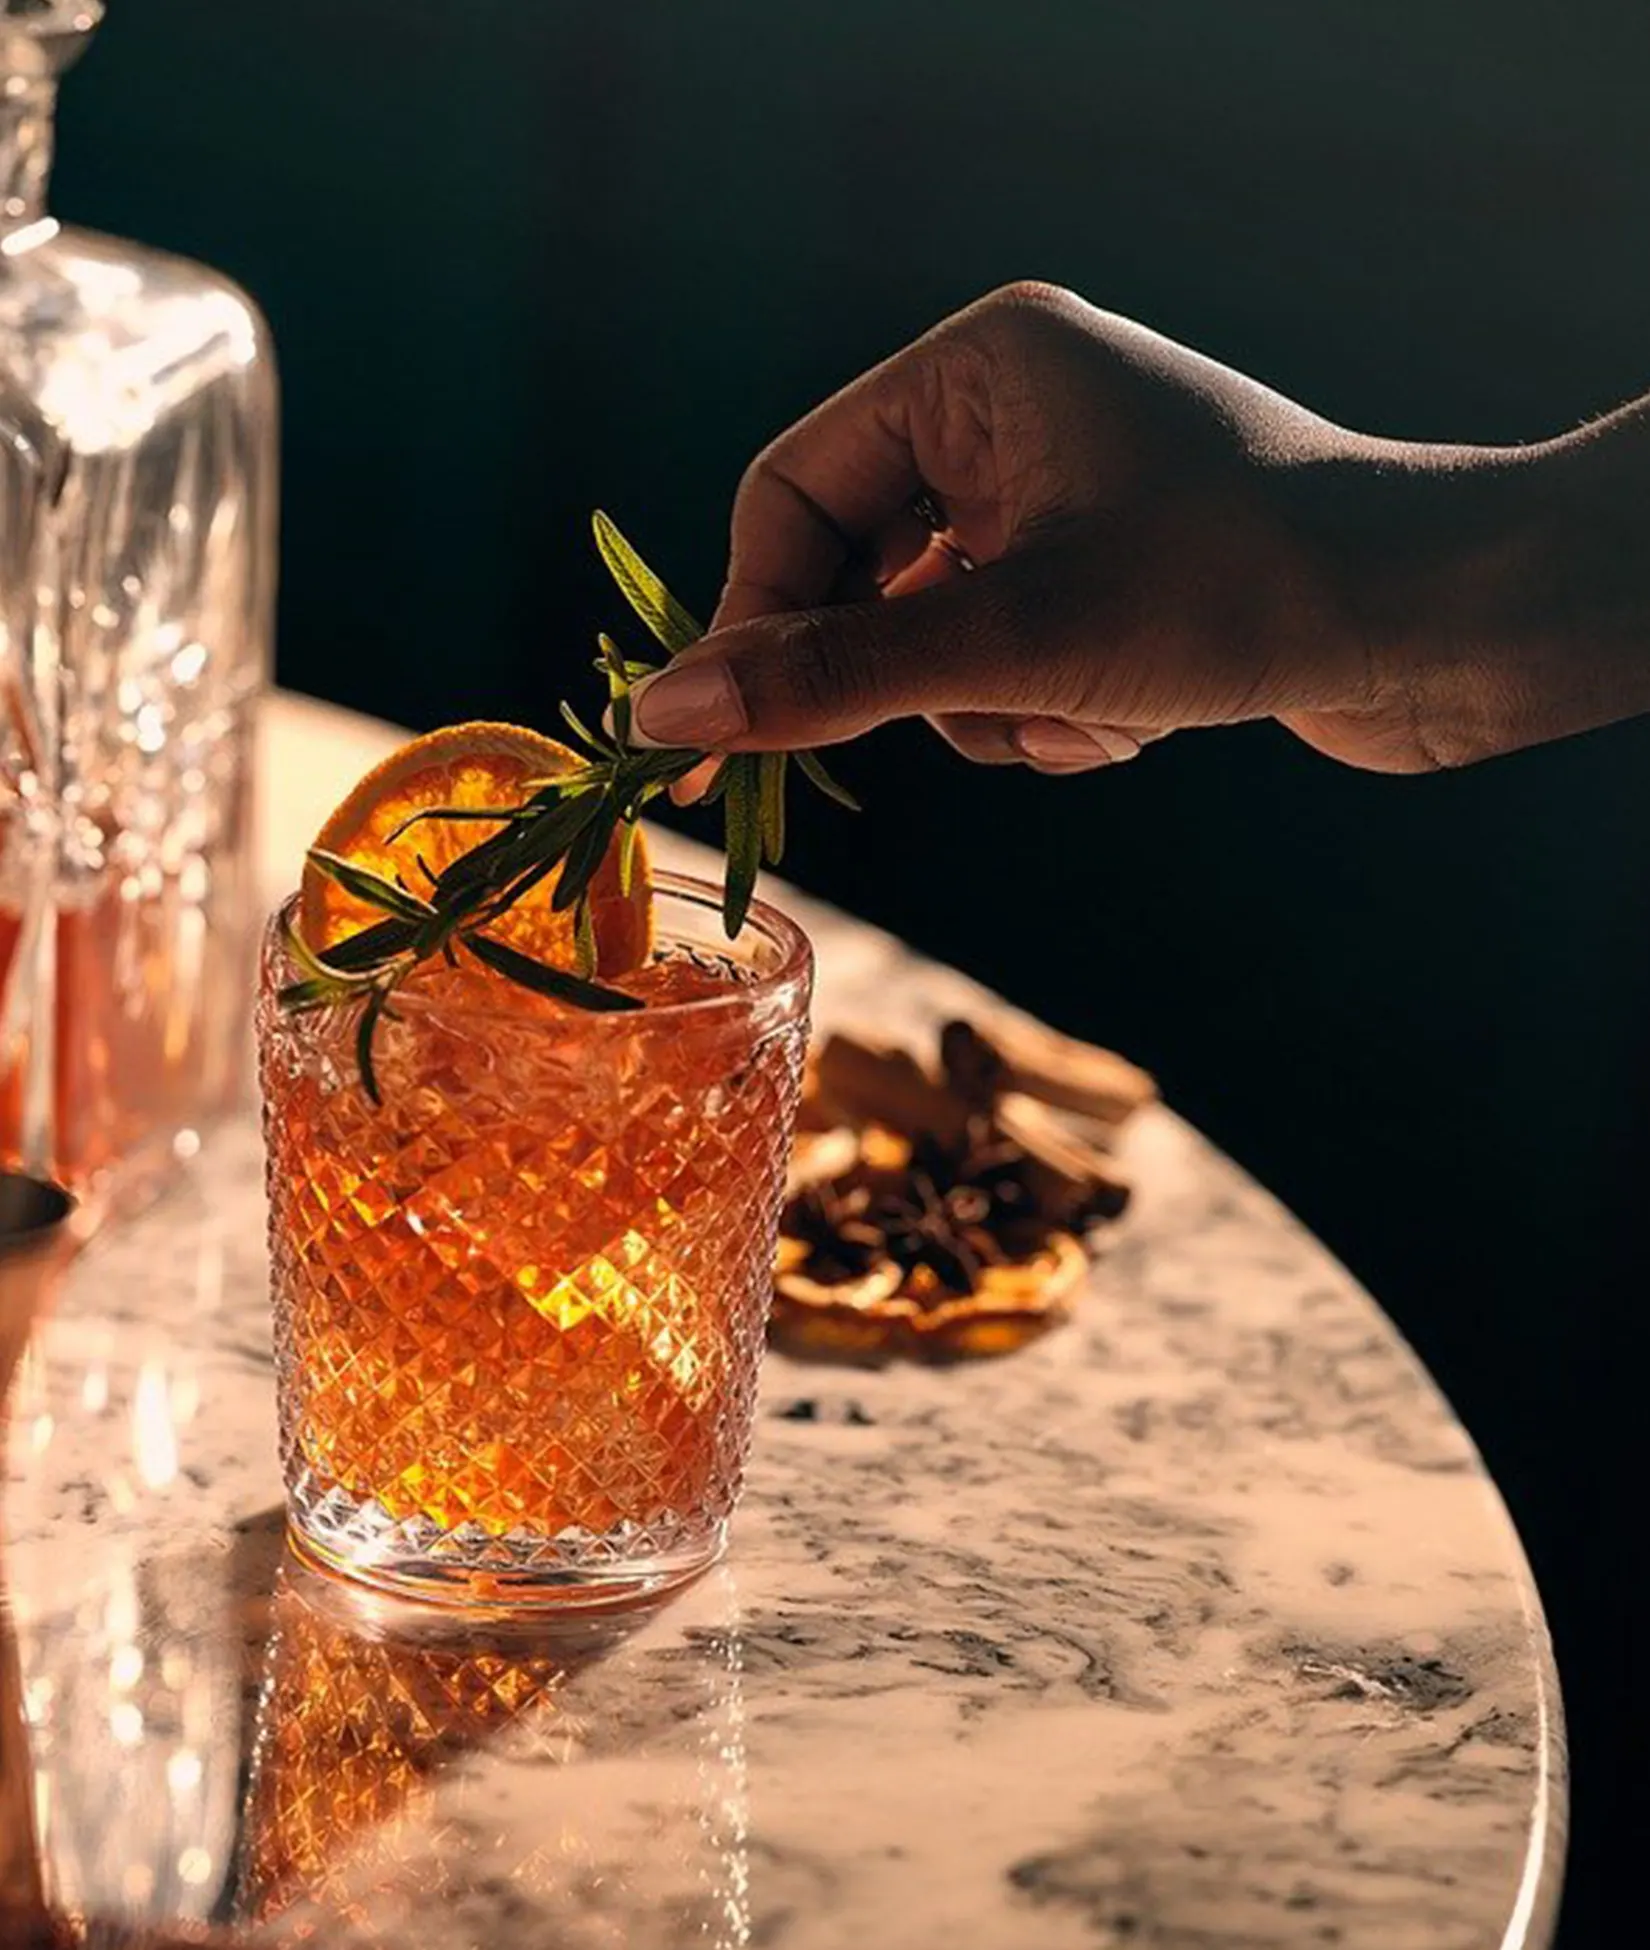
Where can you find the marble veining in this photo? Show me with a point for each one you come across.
(1198, 1625)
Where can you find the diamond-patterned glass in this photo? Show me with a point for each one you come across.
(520, 1306)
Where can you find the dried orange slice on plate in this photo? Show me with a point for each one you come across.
(472, 766)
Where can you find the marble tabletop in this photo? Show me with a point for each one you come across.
(1197, 1624)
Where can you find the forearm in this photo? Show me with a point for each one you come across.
(1504, 591)
(1591, 496)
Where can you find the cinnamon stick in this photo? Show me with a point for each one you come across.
(1073, 1181)
(860, 1083)
(1050, 1067)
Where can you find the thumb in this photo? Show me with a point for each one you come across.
(1004, 639)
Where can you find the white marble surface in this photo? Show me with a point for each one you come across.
(1197, 1625)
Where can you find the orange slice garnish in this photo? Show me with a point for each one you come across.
(473, 766)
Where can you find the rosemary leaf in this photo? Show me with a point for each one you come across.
(584, 856)
(634, 672)
(303, 954)
(544, 980)
(480, 874)
(770, 769)
(517, 889)
(643, 590)
(576, 778)
(368, 948)
(815, 773)
(365, 1030)
(618, 689)
(744, 840)
(584, 938)
(459, 813)
(621, 671)
(581, 730)
(657, 768)
(314, 992)
(536, 852)
(344, 969)
(370, 887)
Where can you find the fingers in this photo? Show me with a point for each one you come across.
(905, 555)
(1005, 639)
(815, 497)
(1058, 745)
(1050, 745)
(829, 501)
(938, 560)
(981, 737)
(1053, 745)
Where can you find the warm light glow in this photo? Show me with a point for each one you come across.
(126, 1667)
(18, 243)
(154, 1440)
(188, 664)
(120, 1612)
(149, 728)
(194, 1865)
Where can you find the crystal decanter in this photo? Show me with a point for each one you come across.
(137, 560)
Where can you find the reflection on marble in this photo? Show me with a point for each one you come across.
(424, 1777)
(36, 1241)
(128, 1693)
(1196, 1624)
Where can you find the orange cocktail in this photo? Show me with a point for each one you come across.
(520, 1301)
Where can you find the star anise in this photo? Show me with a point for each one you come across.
(954, 1210)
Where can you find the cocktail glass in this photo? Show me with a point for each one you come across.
(520, 1304)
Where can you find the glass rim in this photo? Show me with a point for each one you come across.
(795, 965)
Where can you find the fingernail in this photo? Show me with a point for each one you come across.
(1052, 741)
(697, 705)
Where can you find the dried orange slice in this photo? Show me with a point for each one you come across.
(471, 765)
(1014, 1303)
(884, 1311)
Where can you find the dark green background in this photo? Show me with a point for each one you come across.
(521, 258)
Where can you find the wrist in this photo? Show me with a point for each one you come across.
(1500, 595)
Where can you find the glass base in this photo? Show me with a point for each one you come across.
(578, 1570)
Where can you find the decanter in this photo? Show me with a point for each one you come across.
(137, 563)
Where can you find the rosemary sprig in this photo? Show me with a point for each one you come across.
(564, 823)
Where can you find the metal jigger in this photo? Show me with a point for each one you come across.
(35, 1243)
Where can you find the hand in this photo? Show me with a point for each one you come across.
(1160, 543)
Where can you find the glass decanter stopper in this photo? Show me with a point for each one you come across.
(137, 563)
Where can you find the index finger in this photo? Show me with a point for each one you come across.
(817, 495)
